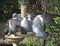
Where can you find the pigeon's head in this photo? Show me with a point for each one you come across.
(29, 16)
(14, 15)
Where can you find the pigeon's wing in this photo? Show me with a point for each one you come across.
(38, 21)
(12, 24)
(48, 19)
(38, 32)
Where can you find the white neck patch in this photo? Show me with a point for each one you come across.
(14, 18)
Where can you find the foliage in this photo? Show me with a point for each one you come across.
(57, 20)
(53, 7)
(28, 41)
(8, 7)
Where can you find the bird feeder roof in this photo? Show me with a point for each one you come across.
(23, 3)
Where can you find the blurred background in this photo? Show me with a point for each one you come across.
(34, 7)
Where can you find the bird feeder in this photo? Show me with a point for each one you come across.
(23, 9)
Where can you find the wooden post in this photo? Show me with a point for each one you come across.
(23, 9)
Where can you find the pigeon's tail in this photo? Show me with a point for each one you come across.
(42, 35)
(39, 33)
